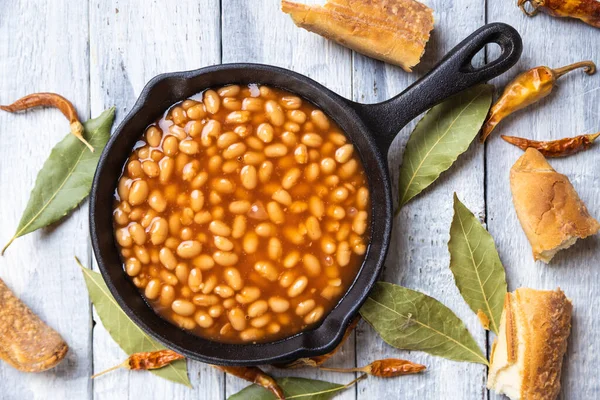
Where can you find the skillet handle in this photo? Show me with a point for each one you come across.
(452, 75)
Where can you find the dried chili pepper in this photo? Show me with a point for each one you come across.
(555, 148)
(528, 88)
(255, 375)
(146, 361)
(319, 360)
(587, 11)
(51, 100)
(388, 368)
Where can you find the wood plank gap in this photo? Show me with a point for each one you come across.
(354, 334)
(90, 258)
(486, 392)
(224, 374)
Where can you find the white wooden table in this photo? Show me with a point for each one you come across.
(101, 53)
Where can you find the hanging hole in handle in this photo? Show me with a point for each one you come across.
(487, 55)
(500, 48)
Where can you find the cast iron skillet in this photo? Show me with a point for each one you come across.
(371, 128)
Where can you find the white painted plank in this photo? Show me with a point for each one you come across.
(258, 31)
(131, 42)
(571, 110)
(44, 48)
(418, 257)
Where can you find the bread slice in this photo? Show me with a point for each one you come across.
(26, 342)
(394, 31)
(551, 213)
(526, 359)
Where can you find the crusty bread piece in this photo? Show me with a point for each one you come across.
(527, 355)
(394, 31)
(551, 213)
(26, 342)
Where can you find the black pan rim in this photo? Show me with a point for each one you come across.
(237, 354)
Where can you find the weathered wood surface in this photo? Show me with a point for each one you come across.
(101, 53)
(42, 50)
(418, 257)
(572, 110)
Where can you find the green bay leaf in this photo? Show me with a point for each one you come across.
(444, 133)
(411, 320)
(66, 177)
(130, 337)
(294, 388)
(476, 265)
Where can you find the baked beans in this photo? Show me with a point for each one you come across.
(243, 214)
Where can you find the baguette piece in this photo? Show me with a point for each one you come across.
(394, 31)
(26, 342)
(527, 355)
(551, 213)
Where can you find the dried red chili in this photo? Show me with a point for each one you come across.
(51, 100)
(587, 11)
(146, 361)
(528, 88)
(255, 375)
(387, 368)
(555, 148)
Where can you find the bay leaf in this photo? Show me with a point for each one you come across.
(66, 177)
(130, 337)
(411, 320)
(476, 266)
(294, 388)
(444, 133)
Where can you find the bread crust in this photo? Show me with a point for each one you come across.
(394, 31)
(26, 342)
(511, 330)
(546, 321)
(537, 334)
(548, 207)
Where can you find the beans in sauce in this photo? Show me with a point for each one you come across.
(242, 214)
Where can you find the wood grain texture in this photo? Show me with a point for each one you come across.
(42, 50)
(571, 110)
(418, 257)
(130, 43)
(101, 53)
(257, 31)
